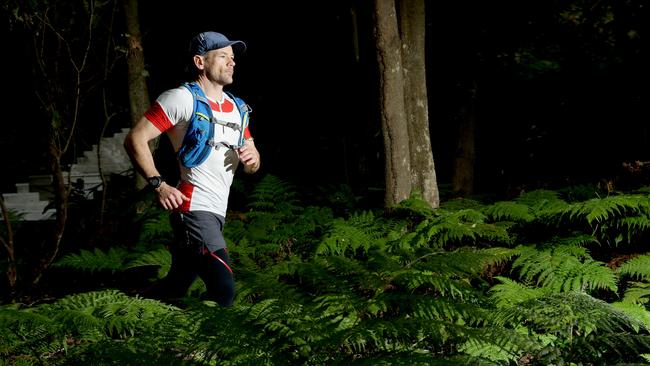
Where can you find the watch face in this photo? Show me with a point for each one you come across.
(155, 182)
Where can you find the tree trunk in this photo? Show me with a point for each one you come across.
(137, 73)
(61, 195)
(8, 244)
(391, 98)
(412, 30)
(463, 175)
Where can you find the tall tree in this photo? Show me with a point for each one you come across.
(137, 72)
(412, 31)
(403, 101)
(391, 97)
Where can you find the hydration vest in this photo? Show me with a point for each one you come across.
(199, 138)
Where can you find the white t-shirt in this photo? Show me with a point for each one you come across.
(208, 184)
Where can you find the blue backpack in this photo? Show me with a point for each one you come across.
(199, 138)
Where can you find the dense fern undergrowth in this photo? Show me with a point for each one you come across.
(541, 279)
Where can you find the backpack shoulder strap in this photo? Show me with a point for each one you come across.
(198, 140)
(244, 112)
(201, 102)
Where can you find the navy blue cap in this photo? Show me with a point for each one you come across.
(208, 41)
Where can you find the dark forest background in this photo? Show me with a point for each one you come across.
(559, 87)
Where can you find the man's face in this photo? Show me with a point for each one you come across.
(220, 65)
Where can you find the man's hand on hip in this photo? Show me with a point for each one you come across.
(169, 197)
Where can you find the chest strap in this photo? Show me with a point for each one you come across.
(217, 145)
(231, 125)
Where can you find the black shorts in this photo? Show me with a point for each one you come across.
(200, 229)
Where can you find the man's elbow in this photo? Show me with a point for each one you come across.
(128, 143)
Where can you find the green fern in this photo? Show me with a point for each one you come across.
(96, 260)
(635, 311)
(159, 257)
(45, 332)
(632, 226)
(541, 200)
(637, 293)
(582, 328)
(499, 354)
(29, 337)
(510, 292)
(637, 267)
(510, 211)
(104, 313)
(272, 194)
(415, 205)
(156, 228)
(564, 268)
(362, 230)
(449, 228)
(599, 210)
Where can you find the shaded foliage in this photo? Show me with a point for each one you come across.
(412, 286)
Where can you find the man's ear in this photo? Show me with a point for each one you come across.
(199, 62)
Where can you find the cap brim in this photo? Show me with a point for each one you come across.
(238, 46)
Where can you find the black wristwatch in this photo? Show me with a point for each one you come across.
(155, 181)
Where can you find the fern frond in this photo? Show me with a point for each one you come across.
(637, 293)
(263, 333)
(635, 311)
(361, 231)
(28, 336)
(463, 262)
(446, 309)
(583, 324)
(464, 227)
(95, 260)
(634, 225)
(433, 281)
(99, 314)
(598, 210)
(253, 284)
(564, 268)
(510, 211)
(414, 205)
(483, 349)
(155, 228)
(159, 257)
(419, 357)
(637, 267)
(510, 292)
(272, 194)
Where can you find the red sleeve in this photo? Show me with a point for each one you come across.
(247, 133)
(157, 116)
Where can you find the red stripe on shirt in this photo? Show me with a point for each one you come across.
(225, 107)
(186, 189)
(156, 115)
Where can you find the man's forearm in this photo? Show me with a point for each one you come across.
(136, 145)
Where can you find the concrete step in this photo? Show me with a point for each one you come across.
(39, 216)
(31, 198)
(19, 198)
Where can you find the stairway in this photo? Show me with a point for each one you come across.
(32, 197)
